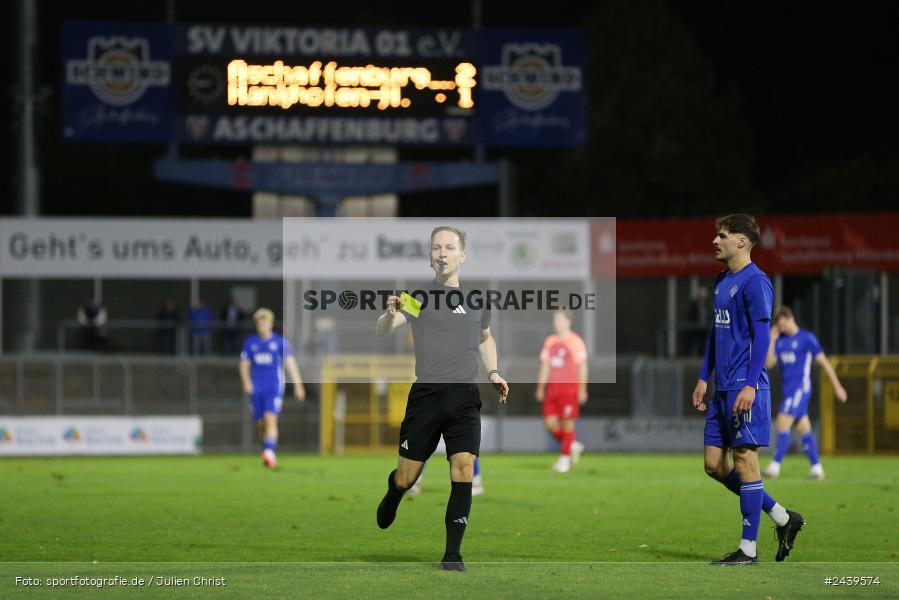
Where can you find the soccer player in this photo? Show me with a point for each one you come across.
(563, 363)
(738, 416)
(262, 363)
(449, 335)
(795, 348)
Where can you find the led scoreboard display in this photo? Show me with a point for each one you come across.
(333, 85)
(247, 84)
(325, 85)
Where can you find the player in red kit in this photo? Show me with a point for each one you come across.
(562, 387)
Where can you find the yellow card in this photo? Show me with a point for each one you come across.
(410, 304)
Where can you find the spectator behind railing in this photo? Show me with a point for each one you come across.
(232, 316)
(697, 325)
(200, 321)
(167, 333)
(92, 317)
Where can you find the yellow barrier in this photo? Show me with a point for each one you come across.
(363, 402)
(868, 423)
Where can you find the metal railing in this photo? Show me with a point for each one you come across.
(135, 385)
(128, 384)
(144, 336)
(148, 335)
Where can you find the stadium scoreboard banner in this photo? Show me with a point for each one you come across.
(88, 435)
(229, 84)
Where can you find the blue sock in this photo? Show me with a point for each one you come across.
(733, 484)
(270, 443)
(751, 506)
(811, 449)
(781, 445)
(477, 465)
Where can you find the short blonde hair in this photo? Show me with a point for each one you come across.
(461, 234)
(264, 313)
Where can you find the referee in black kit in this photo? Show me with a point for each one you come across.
(449, 335)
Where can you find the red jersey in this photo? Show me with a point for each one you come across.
(565, 356)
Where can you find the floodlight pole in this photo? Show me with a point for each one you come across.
(884, 312)
(29, 174)
(480, 151)
(170, 19)
(29, 199)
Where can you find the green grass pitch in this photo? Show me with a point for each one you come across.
(617, 526)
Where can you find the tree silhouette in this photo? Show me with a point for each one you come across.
(665, 137)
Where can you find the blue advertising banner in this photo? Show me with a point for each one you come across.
(116, 82)
(532, 90)
(326, 179)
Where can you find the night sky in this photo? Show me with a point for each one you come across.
(816, 87)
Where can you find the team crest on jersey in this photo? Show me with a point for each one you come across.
(272, 346)
(733, 291)
(794, 344)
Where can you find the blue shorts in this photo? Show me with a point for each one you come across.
(724, 429)
(265, 402)
(796, 404)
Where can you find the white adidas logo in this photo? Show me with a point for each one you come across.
(746, 522)
(459, 310)
(405, 444)
(462, 520)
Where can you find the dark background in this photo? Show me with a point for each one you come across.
(695, 108)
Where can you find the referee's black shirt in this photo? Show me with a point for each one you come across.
(447, 339)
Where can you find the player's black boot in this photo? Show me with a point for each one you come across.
(787, 534)
(452, 562)
(389, 504)
(735, 559)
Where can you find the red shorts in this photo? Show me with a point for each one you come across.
(561, 401)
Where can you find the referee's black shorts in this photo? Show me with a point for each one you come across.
(434, 409)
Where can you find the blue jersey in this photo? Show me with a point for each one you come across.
(267, 362)
(740, 299)
(795, 354)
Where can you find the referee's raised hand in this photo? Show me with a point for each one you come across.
(394, 304)
(392, 319)
(502, 388)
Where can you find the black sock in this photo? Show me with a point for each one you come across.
(457, 510)
(394, 492)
